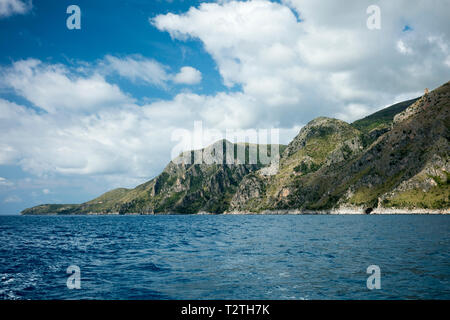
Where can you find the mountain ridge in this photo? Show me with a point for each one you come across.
(394, 160)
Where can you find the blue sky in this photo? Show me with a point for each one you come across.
(108, 28)
(84, 111)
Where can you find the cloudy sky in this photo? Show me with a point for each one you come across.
(83, 111)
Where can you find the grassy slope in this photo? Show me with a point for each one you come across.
(381, 118)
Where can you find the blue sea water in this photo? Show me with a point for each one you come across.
(225, 256)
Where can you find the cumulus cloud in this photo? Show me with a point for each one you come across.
(54, 88)
(188, 75)
(11, 7)
(301, 59)
(137, 68)
(107, 142)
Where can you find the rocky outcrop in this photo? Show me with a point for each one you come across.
(318, 128)
(251, 188)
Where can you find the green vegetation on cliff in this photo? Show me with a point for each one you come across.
(382, 118)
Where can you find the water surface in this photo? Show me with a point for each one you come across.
(225, 257)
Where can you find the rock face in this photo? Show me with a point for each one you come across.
(182, 187)
(321, 143)
(318, 128)
(396, 159)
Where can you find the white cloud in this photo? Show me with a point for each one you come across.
(353, 112)
(403, 48)
(5, 182)
(233, 32)
(188, 75)
(137, 68)
(11, 7)
(325, 64)
(55, 88)
(106, 142)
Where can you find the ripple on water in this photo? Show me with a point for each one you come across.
(225, 257)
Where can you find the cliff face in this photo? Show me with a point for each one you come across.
(182, 187)
(322, 143)
(397, 158)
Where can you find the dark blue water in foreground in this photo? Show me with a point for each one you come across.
(225, 257)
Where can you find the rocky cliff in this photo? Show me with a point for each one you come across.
(396, 160)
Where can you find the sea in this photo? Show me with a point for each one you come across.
(225, 257)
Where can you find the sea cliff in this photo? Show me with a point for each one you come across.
(393, 161)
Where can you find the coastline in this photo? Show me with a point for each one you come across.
(351, 210)
(340, 211)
